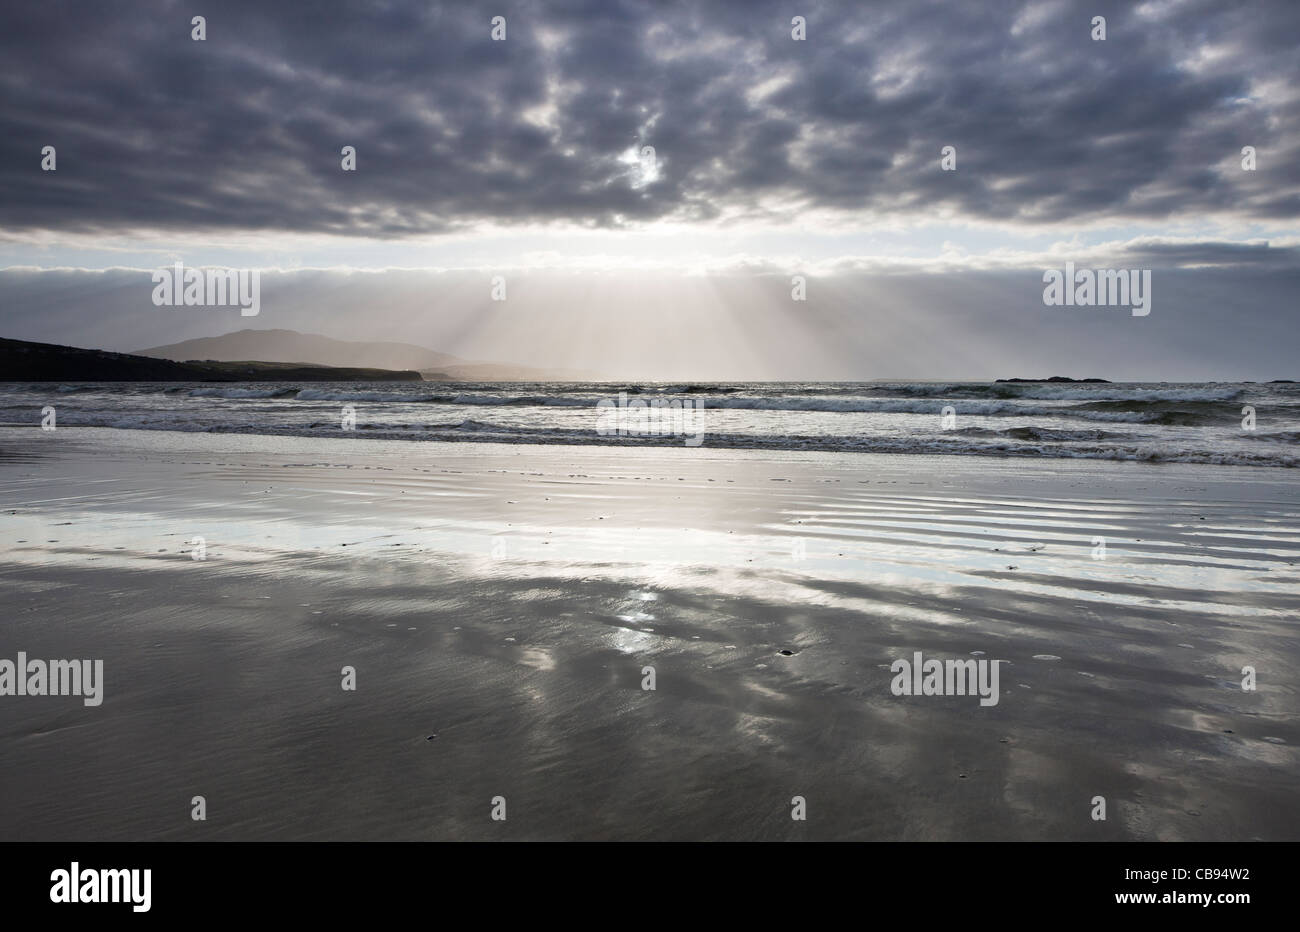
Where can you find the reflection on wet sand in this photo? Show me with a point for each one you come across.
(509, 603)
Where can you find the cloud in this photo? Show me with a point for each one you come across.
(243, 132)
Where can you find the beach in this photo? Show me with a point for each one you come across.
(499, 605)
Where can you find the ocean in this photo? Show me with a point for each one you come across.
(1201, 422)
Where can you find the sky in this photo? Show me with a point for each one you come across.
(522, 163)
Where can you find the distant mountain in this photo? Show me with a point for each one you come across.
(314, 349)
(302, 348)
(21, 361)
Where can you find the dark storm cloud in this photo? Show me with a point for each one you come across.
(243, 131)
(1163, 254)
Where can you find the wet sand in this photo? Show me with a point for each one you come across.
(499, 604)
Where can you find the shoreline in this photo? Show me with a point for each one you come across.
(777, 447)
